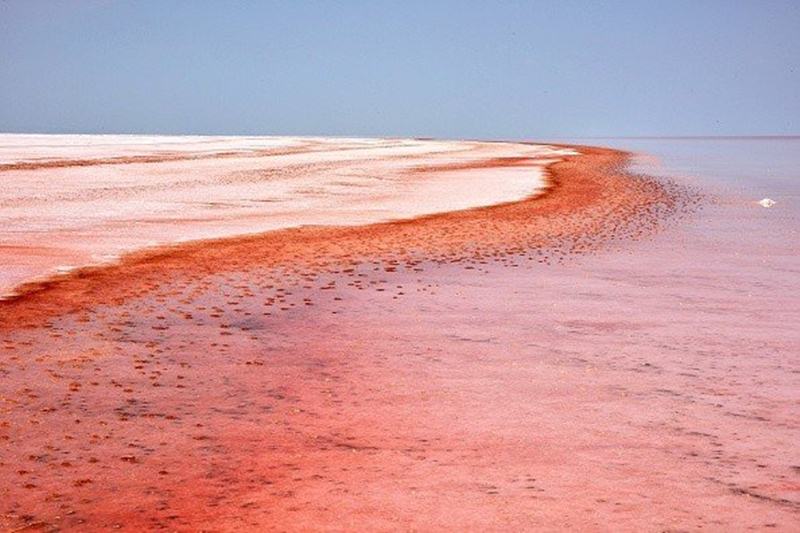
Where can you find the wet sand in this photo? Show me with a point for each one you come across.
(575, 360)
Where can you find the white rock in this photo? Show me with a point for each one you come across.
(766, 202)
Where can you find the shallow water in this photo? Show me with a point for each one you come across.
(650, 385)
(740, 235)
(752, 168)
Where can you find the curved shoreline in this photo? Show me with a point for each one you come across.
(63, 218)
(429, 374)
(589, 200)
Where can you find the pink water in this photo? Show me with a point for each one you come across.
(652, 385)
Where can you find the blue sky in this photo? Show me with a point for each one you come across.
(461, 69)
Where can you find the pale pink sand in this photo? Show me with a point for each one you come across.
(72, 200)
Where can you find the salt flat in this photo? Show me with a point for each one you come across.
(72, 200)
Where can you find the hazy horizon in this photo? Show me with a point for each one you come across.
(421, 137)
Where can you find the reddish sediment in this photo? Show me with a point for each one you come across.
(590, 201)
(442, 373)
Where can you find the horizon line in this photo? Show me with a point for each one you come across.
(420, 137)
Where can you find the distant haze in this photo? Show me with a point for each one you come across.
(378, 68)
